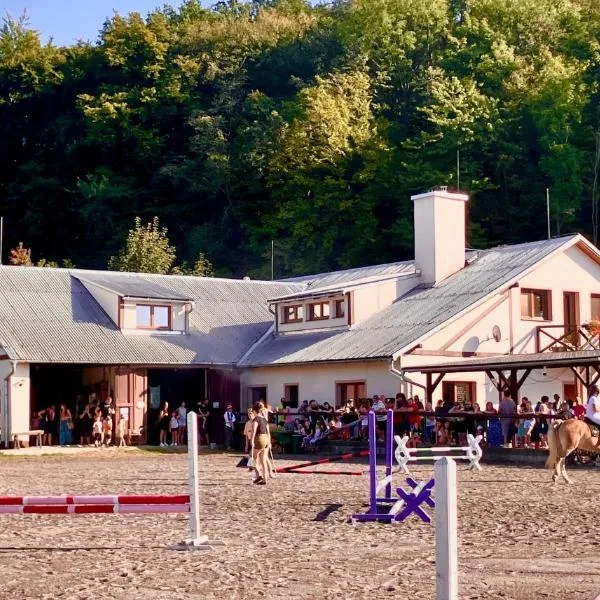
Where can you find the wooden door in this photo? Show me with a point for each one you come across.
(569, 391)
(571, 315)
(223, 387)
(131, 400)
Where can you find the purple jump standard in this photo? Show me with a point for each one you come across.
(387, 508)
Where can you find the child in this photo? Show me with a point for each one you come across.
(174, 429)
(414, 441)
(299, 428)
(108, 430)
(97, 430)
(122, 432)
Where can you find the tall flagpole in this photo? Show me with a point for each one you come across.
(548, 210)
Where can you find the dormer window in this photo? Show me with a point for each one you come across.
(292, 314)
(318, 311)
(151, 316)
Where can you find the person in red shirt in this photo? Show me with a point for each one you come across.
(578, 408)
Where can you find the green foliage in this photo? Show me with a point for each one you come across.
(303, 123)
(147, 250)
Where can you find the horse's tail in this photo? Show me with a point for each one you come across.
(554, 446)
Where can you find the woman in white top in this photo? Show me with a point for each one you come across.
(592, 411)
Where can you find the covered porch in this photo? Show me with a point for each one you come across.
(510, 371)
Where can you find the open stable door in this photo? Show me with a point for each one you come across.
(131, 401)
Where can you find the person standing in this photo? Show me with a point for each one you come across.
(66, 426)
(230, 420)
(182, 422)
(261, 444)
(203, 415)
(507, 411)
(163, 424)
(85, 426)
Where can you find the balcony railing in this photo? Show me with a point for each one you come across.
(558, 338)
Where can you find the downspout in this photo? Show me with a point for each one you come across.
(402, 375)
(5, 412)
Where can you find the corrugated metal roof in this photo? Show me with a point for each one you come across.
(47, 315)
(413, 315)
(132, 285)
(340, 278)
(506, 361)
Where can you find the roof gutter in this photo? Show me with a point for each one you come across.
(402, 376)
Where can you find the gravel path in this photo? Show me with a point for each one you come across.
(519, 536)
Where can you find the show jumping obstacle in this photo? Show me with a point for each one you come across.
(472, 452)
(126, 504)
(389, 509)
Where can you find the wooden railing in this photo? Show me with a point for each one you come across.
(559, 339)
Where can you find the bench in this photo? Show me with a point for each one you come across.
(34, 432)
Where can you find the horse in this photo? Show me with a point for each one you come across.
(565, 437)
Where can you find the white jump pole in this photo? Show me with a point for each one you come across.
(197, 541)
(446, 546)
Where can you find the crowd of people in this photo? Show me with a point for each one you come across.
(94, 426)
(449, 422)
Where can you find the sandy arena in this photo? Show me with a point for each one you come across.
(519, 537)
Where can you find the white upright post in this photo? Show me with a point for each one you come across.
(192, 443)
(197, 541)
(446, 546)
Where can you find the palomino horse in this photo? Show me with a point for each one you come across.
(565, 437)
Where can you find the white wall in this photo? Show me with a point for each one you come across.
(368, 300)
(569, 271)
(19, 394)
(305, 323)
(318, 382)
(439, 221)
(5, 369)
(109, 301)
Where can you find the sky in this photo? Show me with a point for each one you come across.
(66, 21)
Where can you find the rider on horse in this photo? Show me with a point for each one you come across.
(592, 413)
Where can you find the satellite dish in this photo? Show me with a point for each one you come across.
(496, 333)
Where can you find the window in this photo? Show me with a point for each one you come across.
(536, 304)
(153, 317)
(291, 394)
(459, 391)
(292, 314)
(318, 311)
(595, 316)
(350, 390)
(339, 309)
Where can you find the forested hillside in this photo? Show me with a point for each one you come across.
(307, 125)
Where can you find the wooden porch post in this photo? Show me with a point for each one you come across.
(514, 387)
(428, 386)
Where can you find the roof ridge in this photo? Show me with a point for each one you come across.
(77, 272)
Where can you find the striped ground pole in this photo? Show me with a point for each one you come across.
(88, 509)
(94, 500)
(322, 461)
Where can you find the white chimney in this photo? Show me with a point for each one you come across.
(439, 234)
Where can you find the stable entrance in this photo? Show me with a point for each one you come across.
(172, 387)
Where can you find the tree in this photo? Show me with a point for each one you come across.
(203, 267)
(20, 256)
(147, 250)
